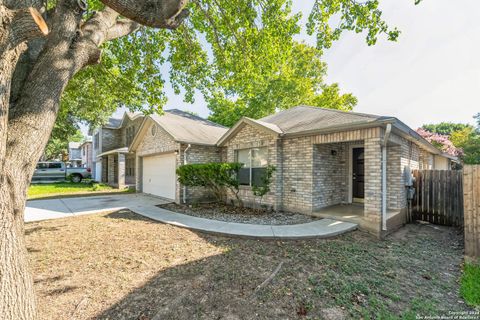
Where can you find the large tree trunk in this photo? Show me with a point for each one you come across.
(17, 298)
(28, 116)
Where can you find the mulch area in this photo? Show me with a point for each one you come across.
(123, 266)
(230, 213)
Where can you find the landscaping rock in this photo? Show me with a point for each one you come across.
(228, 213)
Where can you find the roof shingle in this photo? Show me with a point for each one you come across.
(189, 128)
(304, 118)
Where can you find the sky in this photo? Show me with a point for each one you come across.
(431, 74)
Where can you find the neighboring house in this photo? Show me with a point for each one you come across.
(112, 162)
(325, 160)
(87, 154)
(167, 141)
(74, 154)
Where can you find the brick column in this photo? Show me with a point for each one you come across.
(138, 173)
(121, 171)
(111, 169)
(373, 183)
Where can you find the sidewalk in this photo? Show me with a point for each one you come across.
(146, 205)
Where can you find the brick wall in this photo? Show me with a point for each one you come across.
(250, 137)
(329, 175)
(298, 174)
(373, 180)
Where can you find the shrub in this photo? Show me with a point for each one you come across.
(262, 189)
(217, 177)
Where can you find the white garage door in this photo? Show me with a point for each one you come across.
(159, 175)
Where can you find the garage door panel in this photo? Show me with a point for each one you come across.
(159, 176)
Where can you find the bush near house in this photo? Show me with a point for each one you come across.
(218, 177)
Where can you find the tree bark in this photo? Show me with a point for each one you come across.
(17, 298)
(28, 119)
(167, 14)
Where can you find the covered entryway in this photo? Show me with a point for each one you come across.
(158, 177)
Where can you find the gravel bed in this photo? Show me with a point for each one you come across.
(241, 215)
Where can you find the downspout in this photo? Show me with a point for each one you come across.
(184, 163)
(384, 176)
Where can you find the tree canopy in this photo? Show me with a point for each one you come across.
(241, 55)
(446, 128)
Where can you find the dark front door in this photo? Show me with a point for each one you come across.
(358, 174)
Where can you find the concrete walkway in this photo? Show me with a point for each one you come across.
(146, 206)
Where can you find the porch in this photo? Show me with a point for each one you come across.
(118, 168)
(355, 213)
(348, 183)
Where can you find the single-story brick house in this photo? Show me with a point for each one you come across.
(167, 141)
(327, 161)
(326, 158)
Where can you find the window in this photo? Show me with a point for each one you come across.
(254, 165)
(55, 165)
(97, 141)
(130, 167)
(42, 165)
(130, 133)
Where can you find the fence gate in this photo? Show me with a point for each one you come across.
(438, 197)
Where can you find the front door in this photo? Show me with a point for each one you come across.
(358, 174)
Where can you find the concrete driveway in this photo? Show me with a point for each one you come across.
(146, 205)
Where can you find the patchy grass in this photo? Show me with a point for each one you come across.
(470, 285)
(123, 266)
(46, 190)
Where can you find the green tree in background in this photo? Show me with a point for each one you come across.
(295, 77)
(446, 128)
(463, 136)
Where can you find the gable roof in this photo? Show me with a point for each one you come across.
(269, 127)
(185, 127)
(306, 120)
(116, 123)
(113, 123)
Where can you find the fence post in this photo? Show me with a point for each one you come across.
(471, 203)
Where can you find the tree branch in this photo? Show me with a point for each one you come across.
(21, 25)
(165, 14)
(28, 24)
(122, 28)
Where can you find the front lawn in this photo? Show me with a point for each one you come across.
(123, 266)
(46, 190)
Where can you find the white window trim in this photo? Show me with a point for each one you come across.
(251, 160)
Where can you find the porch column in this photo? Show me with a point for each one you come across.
(111, 169)
(121, 170)
(373, 184)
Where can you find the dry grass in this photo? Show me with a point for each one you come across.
(122, 266)
(83, 265)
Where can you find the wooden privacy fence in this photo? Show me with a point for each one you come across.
(471, 185)
(438, 197)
